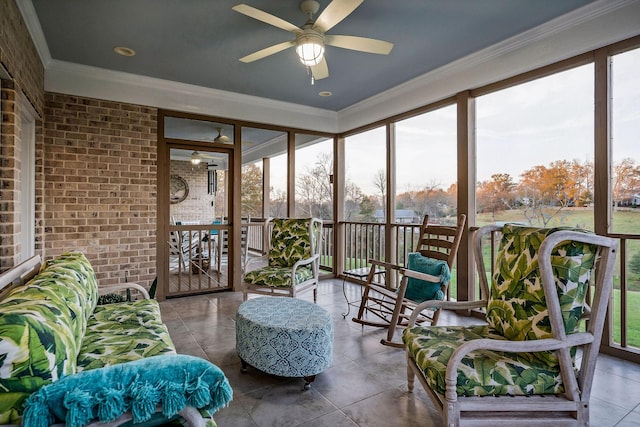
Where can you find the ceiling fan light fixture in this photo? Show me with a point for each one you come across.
(310, 48)
(195, 158)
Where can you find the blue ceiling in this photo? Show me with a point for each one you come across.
(199, 42)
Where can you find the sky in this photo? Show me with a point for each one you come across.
(528, 125)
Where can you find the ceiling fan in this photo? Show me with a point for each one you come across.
(197, 157)
(311, 38)
(224, 139)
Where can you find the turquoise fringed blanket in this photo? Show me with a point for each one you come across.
(173, 381)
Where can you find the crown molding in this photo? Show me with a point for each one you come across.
(83, 80)
(35, 30)
(586, 28)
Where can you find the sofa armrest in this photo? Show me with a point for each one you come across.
(103, 290)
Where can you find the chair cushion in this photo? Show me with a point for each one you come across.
(482, 372)
(41, 329)
(278, 277)
(290, 242)
(517, 307)
(123, 332)
(420, 290)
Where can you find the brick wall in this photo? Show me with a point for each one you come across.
(100, 192)
(197, 207)
(9, 170)
(19, 56)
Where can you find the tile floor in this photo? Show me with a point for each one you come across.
(365, 386)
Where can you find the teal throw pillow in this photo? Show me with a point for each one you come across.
(173, 381)
(420, 290)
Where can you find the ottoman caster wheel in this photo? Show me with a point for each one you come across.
(307, 382)
(243, 366)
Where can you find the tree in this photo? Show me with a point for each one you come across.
(353, 198)
(545, 191)
(367, 209)
(251, 197)
(496, 194)
(626, 180)
(278, 205)
(380, 182)
(314, 190)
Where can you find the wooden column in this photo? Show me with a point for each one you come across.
(466, 193)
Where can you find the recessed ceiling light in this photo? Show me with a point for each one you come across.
(325, 93)
(124, 51)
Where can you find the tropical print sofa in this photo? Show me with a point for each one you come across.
(51, 329)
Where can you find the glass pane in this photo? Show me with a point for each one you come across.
(632, 296)
(278, 190)
(535, 152)
(252, 190)
(198, 130)
(426, 172)
(259, 144)
(625, 149)
(197, 190)
(365, 176)
(198, 195)
(314, 171)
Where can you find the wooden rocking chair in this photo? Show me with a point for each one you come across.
(383, 306)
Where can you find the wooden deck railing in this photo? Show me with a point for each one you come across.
(364, 241)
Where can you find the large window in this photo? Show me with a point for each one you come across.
(314, 169)
(625, 131)
(625, 190)
(535, 152)
(365, 176)
(278, 184)
(251, 197)
(426, 167)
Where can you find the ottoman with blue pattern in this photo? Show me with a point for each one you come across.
(284, 336)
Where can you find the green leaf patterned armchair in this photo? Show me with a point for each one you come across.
(292, 262)
(520, 368)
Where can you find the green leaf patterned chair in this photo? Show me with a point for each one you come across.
(522, 367)
(292, 262)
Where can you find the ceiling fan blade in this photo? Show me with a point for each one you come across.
(267, 51)
(320, 71)
(362, 44)
(335, 12)
(268, 18)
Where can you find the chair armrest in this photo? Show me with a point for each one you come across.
(255, 260)
(304, 262)
(386, 265)
(421, 276)
(548, 344)
(102, 290)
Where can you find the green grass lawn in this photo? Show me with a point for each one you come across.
(633, 318)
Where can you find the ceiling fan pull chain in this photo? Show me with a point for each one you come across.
(310, 72)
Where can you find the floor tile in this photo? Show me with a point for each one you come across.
(366, 382)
